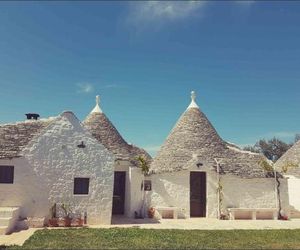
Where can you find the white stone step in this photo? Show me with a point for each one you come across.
(5, 221)
(3, 230)
(7, 211)
(8, 219)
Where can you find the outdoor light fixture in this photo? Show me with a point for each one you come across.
(199, 164)
(81, 145)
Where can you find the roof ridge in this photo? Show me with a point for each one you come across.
(28, 121)
(99, 125)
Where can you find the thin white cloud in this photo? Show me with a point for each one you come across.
(85, 88)
(162, 11)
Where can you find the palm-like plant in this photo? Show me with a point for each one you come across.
(143, 164)
(269, 167)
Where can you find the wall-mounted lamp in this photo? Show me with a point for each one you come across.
(81, 145)
(199, 165)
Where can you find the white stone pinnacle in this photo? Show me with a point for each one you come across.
(193, 103)
(97, 108)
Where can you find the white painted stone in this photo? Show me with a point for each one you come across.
(193, 103)
(293, 186)
(45, 174)
(173, 189)
(133, 192)
(97, 108)
(136, 194)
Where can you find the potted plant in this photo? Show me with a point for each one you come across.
(67, 215)
(151, 212)
(53, 221)
(79, 221)
(223, 216)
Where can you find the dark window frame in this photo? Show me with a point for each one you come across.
(7, 173)
(81, 186)
(147, 185)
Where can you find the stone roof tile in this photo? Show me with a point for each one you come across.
(193, 134)
(14, 137)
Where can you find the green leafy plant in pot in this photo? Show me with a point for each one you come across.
(67, 215)
(53, 221)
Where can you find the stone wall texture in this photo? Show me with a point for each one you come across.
(173, 189)
(45, 174)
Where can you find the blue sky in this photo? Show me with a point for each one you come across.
(144, 58)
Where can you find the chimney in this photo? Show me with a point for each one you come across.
(32, 116)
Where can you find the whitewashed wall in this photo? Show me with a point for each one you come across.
(133, 192)
(173, 189)
(136, 194)
(27, 191)
(293, 188)
(45, 175)
(248, 193)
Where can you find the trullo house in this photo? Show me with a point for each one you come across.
(127, 197)
(54, 160)
(198, 174)
(289, 165)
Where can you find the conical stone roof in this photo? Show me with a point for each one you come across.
(105, 132)
(193, 135)
(14, 137)
(292, 158)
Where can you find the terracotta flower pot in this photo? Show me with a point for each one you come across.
(79, 222)
(151, 212)
(67, 221)
(53, 222)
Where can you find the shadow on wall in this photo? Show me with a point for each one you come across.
(164, 185)
(32, 192)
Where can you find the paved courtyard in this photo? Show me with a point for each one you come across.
(204, 224)
(18, 238)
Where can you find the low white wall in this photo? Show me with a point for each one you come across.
(46, 174)
(248, 193)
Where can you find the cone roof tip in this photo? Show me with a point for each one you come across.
(193, 103)
(97, 108)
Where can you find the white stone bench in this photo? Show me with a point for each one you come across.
(165, 210)
(253, 213)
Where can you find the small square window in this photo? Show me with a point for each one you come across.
(81, 185)
(7, 174)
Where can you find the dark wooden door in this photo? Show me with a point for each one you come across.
(198, 194)
(119, 192)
